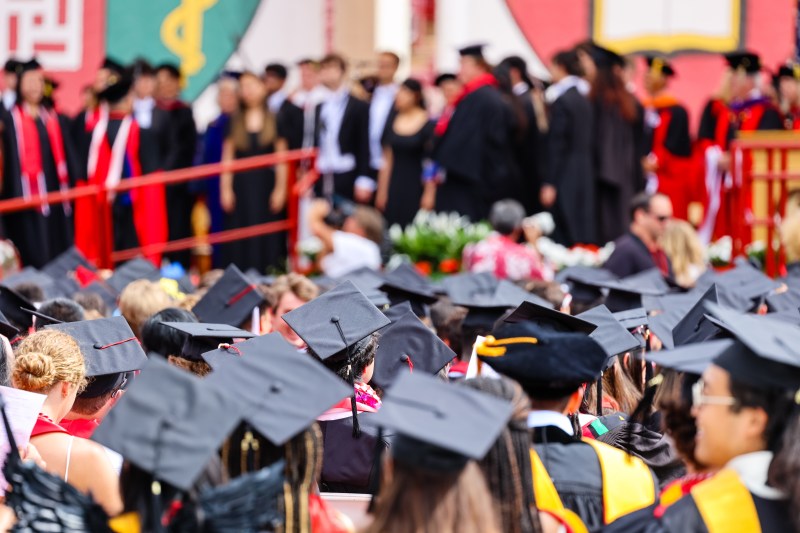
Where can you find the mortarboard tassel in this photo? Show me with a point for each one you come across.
(600, 396)
(350, 378)
(377, 468)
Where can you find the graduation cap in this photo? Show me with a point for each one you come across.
(12, 66)
(281, 391)
(131, 271)
(406, 284)
(550, 319)
(610, 334)
(230, 300)
(32, 276)
(407, 346)
(367, 281)
(42, 319)
(773, 358)
(473, 50)
(694, 327)
(692, 358)
(583, 282)
(109, 348)
(396, 312)
(336, 321)
(440, 426)
(169, 423)
(632, 318)
(605, 58)
(203, 337)
(487, 298)
(788, 70)
(12, 305)
(543, 360)
(7, 330)
(119, 86)
(744, 60)
(443, 78)
(784, 301)
(29, 66)
(659, 65)
(744, 284)
(112, 65)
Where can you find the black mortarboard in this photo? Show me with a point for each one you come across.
(276, 69)
(230, 300)
(396, 312)
(42, 319)
(108, 345)
(627, 293)
(605, 58)
(12, 66)
(789, 70)
(694, 327)
(576, 278)
(550, 319)
(540, 358)
(367, 281)
(336, 321)
(407, 346)
(784, 301)
(470, 286)
(774, 357)
(67, 262)
(29, 275)
(131, 271)
(405, 284)
(203, 337)
(112, 65)
(610, 334)
(440, 426)
(662, 324)
(661, 66)
(169, 423)
(28, 66)
(744, 282)
(487, 298)
(632, 318)
(444, 77)
(681, 300)
(7, 330)
(281, 391)
(12, 305)
(791, 316)
(744, 60)
(119, 85)
(473, 50)
(693, 358)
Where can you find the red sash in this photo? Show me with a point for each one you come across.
(480, 81)
(80, 427)
(44, 425)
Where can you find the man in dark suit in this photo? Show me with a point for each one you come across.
(177, 134)
(342, 135)
(288, 115)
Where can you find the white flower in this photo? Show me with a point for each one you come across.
(395, 232)
(310, 246)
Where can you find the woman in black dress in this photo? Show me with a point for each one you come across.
(255, 196)
(406, 144)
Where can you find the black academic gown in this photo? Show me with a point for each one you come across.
(570, 170)
(39, 237)
(290, 122)
(476, 153)
(630, 256)
(174, 126)
(531, 153)
(619, 148)
(348, 462)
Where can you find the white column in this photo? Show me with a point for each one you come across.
(393, 31)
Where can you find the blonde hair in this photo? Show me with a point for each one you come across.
(297, 284)
(141, 299)
(682, 245)
(790, 237)
(46, 358)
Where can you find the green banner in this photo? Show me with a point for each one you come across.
(198, 35)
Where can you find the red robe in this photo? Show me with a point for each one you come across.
(149, 203)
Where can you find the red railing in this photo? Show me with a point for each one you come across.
(770, 202)
(108, 257)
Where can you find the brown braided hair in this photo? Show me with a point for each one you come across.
(303, 465)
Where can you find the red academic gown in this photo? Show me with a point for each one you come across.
(718, 127)
(148, 203)
(671, 146)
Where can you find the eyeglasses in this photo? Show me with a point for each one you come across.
(699, 399)
(663, 218)
(120, 388)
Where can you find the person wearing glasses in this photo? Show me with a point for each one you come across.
(640, 249)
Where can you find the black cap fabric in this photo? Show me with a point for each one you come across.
(532, 355)
(230, 300)
(108, 345)
(661, 303)
(694, 327)
(612, 336)
(12, 305)
(744, 60)
(576, 277)
(605, 58)
(487, 298)
(440, 426)
(473, 50)
(788, 70)
(203, 337)
(550, 319)
(788, 300)
(407, 346)
(632, 318)
(67, 262)
(280, 390)
(744, 282)
(169, 423)
(406, 284)
(7, 330)
(396, 312)
(774, 360)
(660, 65)
(335, 321)
(662, 324)
(444, 77)
(693, 358)
(112, 65)
(12, 66)
(119, 86)
(627, 293)
(131, 271)
(41, 320)
(28, 66)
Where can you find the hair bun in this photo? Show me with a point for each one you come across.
(34, 371)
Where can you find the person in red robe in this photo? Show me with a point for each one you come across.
(747, 110)
(118, 150)
(787, 89)
(668, 163)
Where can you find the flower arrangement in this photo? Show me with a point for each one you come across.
(560, 257)
(720, 252)
(434, 242)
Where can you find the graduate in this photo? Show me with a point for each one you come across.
(668, 160)
(38, 159)
(748, 110)
(120, 149)
(787, 85)
(475, 149)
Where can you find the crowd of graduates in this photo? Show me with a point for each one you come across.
(580, 145)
